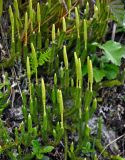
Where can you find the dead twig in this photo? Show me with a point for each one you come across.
(110, 144)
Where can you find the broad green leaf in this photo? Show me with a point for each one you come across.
(98, 74)
(111, 71)
(1, 7)
(47, 149)
(113, 51)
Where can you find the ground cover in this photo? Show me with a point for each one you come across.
(62, 80)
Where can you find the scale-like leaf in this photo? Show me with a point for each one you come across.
(113, 51)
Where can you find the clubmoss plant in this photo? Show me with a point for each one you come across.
(61, 107)
(29, 75)
(66, 67)
(44, 105)
(90, 73)
(64, 24)
(85, 34)
(54, 114)
(12, 31)
(77, 22)
(34, 59)
(39, 39)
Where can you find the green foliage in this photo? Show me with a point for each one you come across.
(1, 7)
(87, 148)
(4, 93)
(108, 63)
(99, 74)
(113, 51)
(44, 57)
(6, 141)
(39, 151)
(117, 9)
(49, 36)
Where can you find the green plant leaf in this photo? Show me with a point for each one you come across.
(111, 71)
(88, 148)
(36, 146)
(47, 149)
(39, 156)
(113, 51)
(44, 57)
(117, 9)
(1, 7)
(39, 151)
(98, 74)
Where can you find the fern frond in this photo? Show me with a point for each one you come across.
(44, 57)
(117, 10)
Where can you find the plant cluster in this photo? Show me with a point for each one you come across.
(58, 39)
